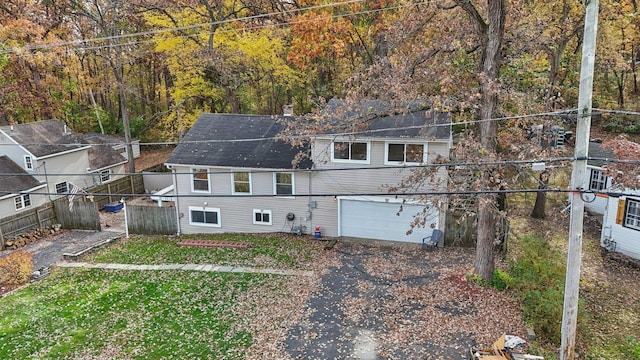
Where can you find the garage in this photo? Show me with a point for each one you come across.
(380, 219)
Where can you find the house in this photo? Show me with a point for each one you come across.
(621, 224)
(57, 157)
(596, 180)
(233, 174)
(19, 190)
(116, 142)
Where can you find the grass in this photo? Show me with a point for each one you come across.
(81, 313)
(266, 250)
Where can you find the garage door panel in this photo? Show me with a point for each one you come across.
(380, 220)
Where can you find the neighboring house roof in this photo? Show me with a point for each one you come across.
(101, 153)
(43, 138)
(235, 140)
(109, 139)
(596, 151)
(375, 118)
(13, 178)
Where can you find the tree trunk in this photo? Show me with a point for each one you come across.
(119, 74)
(541, 197)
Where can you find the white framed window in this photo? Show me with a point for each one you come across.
(632, 214)
(597, 180)
(22, 201)
(350, 151)
(62, 188)
(200, 180)
(262, 217)
(204, 216)
(28, 162)
(241, 183)
(105, 175)
(404, 153)
(283, 183)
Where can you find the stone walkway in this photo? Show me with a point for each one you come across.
(188, 267)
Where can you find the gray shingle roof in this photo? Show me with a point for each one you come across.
(596, 151)
(101, 153)
(375, 118)
(208, 143)
(13, 178)
(42, 138)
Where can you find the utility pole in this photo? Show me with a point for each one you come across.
(572, 282)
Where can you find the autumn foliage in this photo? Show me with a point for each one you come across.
(626, 172)
(16, 268)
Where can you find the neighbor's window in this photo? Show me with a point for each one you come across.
(204, 216)
(632, 215)
(350, 151)
(241, 183)
(62, 188)
(22, 201)
(105, 175)
(28, 162)
(200, 180)
(283, 183)
(262, 217)
(598, 181)
(405, 153)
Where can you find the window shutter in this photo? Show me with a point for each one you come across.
(620, 214)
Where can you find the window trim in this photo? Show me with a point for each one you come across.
(636, 216)
(366, 161)
(66, 187)
(233, 183)
(262, 211)
(105, 173)
(28, 162)
(196, 170)
(205, 209)
(600, 180)
(275, 184)
(404, 152)
(22, 201)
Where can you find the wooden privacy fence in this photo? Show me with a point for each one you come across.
(40, 217)
(151, 220)
(133, 184)
(84, 216)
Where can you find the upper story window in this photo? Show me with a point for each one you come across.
(105, 175)
(200, 180)
(407, 153)
(597, 181)
(632, 214)
(347, 151)
(241, 183)
(62, 188)
(283, 183)
(28, 162)
(22, 201)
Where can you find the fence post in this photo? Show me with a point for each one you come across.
(1, 240)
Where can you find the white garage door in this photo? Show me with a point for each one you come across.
(381, 220)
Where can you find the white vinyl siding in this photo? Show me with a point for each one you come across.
(283, 183)
(204, 216)
(241, 183)
(200, 181)
(348, 151)
(262, 217)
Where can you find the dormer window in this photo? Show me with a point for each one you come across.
(28, 162)
(348, 151)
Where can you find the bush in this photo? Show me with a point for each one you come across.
(502, 280)
(16, 268)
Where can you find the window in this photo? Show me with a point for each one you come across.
(28, 162)
(22, 201)
(350, 152)
(405, 153)
(200, 180)
(105, 175)
(262, 217)
(632, 214)
(598, 181)
(62, 188)
(241, 183)
(203, 216)
(283, 183)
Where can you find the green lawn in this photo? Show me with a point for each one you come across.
(266, 250)
(116, 314)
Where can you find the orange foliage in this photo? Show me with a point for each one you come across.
(16, 268)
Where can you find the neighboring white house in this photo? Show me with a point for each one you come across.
(232, 175)
(621, 224)
(58, 157)
(19, 190)
(595, 179)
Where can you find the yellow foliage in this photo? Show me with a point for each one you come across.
(16, 268)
